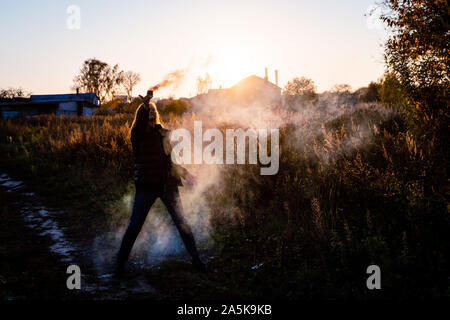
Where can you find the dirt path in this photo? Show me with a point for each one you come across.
(37, 247)
(28, 268)
(36, 251)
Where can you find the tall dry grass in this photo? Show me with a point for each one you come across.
(351, 191)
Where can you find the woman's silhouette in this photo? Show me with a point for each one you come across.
(155, 176)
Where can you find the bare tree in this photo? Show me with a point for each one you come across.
(130, 80)
(98, 77)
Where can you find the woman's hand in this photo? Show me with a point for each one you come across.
(146, 99)
(190, 179)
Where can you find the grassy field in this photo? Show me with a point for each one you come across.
(352, 190)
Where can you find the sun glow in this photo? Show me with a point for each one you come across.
(232, 64)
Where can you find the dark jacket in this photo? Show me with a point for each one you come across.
(154, 169)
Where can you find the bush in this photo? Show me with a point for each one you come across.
(371, 93)
(174, 106)
(390, 92)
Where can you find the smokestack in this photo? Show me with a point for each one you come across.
(276, 77)
(266, 77)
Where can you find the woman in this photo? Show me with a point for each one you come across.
(155, 176)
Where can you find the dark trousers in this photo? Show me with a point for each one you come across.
(143, 201)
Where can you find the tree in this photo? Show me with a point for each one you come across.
(14, 93)
(417, 56)
(390, 92)
(342, 94)
(341, 89)
(371, 93)
(203, 84)
(98, 77)
(130, 79)
(299, 91)
(174, 106)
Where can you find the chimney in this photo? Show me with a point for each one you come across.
(266, 77)
(78, 90)
(276, 77)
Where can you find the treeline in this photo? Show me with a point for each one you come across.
(167, 107)
(297, 93)
(300, 92)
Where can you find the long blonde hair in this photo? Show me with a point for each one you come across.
(141, 116)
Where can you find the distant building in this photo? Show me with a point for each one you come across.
(76, 104)
(254, 89)
(249, 91)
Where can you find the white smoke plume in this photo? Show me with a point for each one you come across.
(159, 237)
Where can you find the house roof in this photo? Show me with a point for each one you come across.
(253, 80)
(51, 99)
(89, 97)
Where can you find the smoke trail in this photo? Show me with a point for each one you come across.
(171, 79)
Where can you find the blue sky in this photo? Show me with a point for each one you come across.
(328, 41)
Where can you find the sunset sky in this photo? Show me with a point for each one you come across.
(329, 41)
